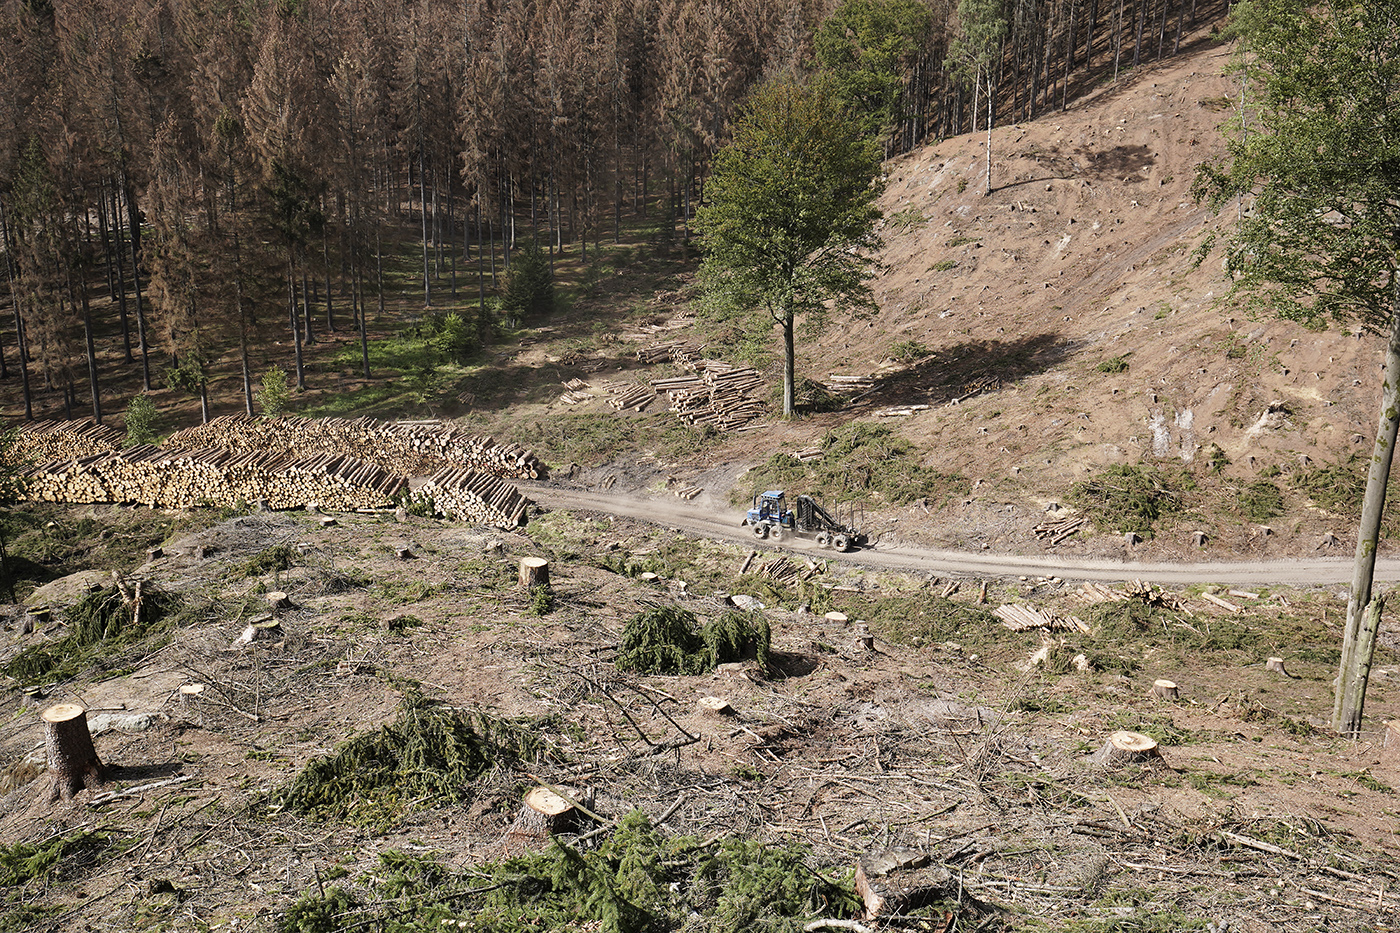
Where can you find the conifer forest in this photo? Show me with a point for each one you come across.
(183, 182)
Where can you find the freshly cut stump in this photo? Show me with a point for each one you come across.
(716, 706)
(534, 571)
(1166, 689)
(1276, 665)
(264, 628)
(276, 599)
(1125, 748)
(72, 759)
(542, 814)
(897, 881)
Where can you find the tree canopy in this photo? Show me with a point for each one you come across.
(865, 46)
(788, 224)
(1315, 160)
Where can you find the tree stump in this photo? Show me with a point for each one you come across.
(897, 881)
(1166, 689)
(1276, 665)
(716, 706)
(403, 553)
(542, 814)
(1125, 748)
(534, 571)
(276, 599)
(1390, 743)
(72, 759)
(264, 628)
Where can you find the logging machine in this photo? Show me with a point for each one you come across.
(771, 518)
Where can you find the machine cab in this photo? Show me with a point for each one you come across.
(771, 506)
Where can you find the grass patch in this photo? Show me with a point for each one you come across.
(1155, 726)
(429, 754)
(860, 461)
(586, 439)
(27, 869)
(98, 626)
(275, 559)
(1132, 498)
(637, 880)
(669, 640)
(923, 619)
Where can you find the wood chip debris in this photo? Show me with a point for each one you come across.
(1021, 618)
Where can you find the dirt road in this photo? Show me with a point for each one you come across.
(723, 525)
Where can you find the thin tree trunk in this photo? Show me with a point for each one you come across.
(133, 223)
(82, 299)
(243, 361)
(789, 364)
(1347, 708)
(423, 212)
(19, 318)
(296, 325)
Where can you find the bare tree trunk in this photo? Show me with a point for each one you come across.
(1347, 708)
(133, 224)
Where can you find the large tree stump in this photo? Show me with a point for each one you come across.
(72, 759)
(897, 881)
(542, 814)
(534, 571)
(1125, 748)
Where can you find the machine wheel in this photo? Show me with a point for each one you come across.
(777, 533)
(841, 543)
(760, 530)
(823, 539)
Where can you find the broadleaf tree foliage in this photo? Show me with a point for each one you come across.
(788, 223)
(1315, 158)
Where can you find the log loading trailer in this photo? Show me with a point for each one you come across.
(771, 518)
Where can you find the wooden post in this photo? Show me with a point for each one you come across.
(72, 759)
(534, 571)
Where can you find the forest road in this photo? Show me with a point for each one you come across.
(722, 524)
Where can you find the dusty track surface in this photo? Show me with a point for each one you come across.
(723, 525)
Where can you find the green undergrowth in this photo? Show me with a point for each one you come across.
(670, 640)
(59, 860)
(1339, 488)
(275, 559)
(1132, 497)
(588, 439)
(862, 462)
(430, 754)
(636, 880)
(99, 626)
(923, 619)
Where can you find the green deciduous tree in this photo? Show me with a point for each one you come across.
(788, 225)
(1315, 157)
(974, 53)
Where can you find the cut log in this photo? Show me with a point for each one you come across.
(1276, 665)
(542, 814)
(534, 571)
(72, 759)
(1125, 748)
(1165, 689)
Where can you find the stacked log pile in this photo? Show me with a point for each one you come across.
(44, 441)
(1020, 618)
(679, 351)
(630, 396)
(181, 479)
(718, 395)
(411, 448)
(466, 495)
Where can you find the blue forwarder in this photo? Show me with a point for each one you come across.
(771, 518)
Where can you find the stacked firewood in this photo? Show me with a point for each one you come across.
(475, 497)
(412, 448)
(678, 351)
(42, 441)
(630, 396)
(181, 479)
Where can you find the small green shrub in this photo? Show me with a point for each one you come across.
(944, 265)
(142, 419)
(541, 600)
(275, 559)
(668, 640)
(274, 394)
(529, 290)
(1117, 364)
(908, 351)
(317, 914)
